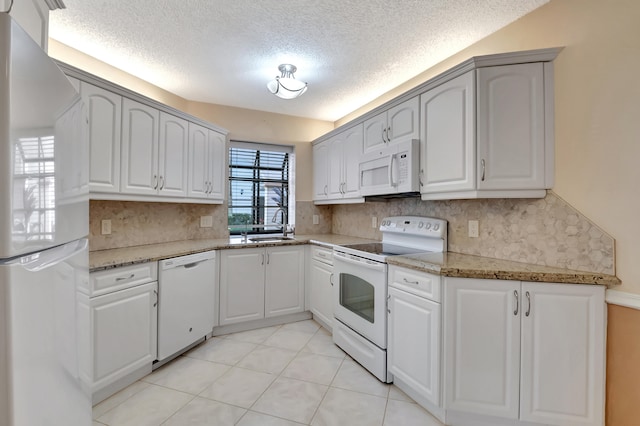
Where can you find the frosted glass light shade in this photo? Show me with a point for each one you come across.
(286, 86)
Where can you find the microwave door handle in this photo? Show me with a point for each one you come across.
(391, 158)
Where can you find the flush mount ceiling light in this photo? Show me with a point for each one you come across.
(286, 86)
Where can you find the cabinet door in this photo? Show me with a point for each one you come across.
(335, 177)
(320, 286)
(375, 130)
(482, 346)
(241, 285)
(198, 161)
(352, 151)
(284, 283)
(562, 354)
(403, 121)
(217, 165)
(139, 169)
(124, 332)
(320, 170)
(173, 156)
(413, 349)
(511, 127)
(105, 115)
(448, 148)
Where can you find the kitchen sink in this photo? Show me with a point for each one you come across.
(274, 238)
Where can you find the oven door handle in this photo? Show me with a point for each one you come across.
(377, 266)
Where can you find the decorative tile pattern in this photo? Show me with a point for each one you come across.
(545, 231)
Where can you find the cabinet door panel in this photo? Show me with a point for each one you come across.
(284, 283)
(241, 285)
(139, 148)
(336, 154)
(414, 343)
(174, 144)
(217, 165)
(105, 115)
(320, 170)
(562, 354)
(511, 127)
(403, 120)
(321, 298)
(198, 161)
(482, 346)
(351, 161)
(124, 332)
(448, 136)
(373, 132)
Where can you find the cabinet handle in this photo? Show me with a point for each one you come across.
(262, 263)
(482, 164)
(528, 304)
(388, 298)
(420, 176)
(156, 293)
(389, 134)
(331, 279)
(268, 258)
(515, 294)
(155, 182)
(161, 182)
(410, 282)
(210, 187)
(384, 135)
(325, 190)
(125, 278)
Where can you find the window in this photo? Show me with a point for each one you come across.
(259, 189)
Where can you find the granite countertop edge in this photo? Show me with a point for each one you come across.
(446, 264)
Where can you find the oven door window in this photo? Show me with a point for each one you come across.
(357, 295)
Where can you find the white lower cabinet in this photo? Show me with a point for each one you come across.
(123, 329)
(258, 283)
(524, 351)
(321, 285)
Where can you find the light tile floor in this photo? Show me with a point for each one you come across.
(276, 376)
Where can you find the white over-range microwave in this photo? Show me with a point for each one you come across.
(392, 169)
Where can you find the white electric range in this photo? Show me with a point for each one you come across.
(360, 296)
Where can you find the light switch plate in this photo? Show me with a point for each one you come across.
(374, 222)
(105, 227)
(474, 231)
(206, 221)
(316, 219)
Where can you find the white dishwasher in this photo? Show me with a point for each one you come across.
(187, 301)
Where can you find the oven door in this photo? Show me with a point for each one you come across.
(360, 296)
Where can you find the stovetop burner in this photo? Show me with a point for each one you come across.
(383, 249)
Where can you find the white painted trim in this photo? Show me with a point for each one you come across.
(621, 298)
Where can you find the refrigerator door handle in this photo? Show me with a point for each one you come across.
(50, 257)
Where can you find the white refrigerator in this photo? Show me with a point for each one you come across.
(44, 225)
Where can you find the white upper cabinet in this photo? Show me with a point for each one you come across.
(140, 140)
(32, 16)
(400, 122)
(321, 170)
(105, 115)
(488, 134)
(173, 155)
(207, 160)
(343, 152)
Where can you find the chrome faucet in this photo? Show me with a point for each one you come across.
(285, 220)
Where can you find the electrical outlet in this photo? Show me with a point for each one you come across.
(316, 219)
(105, 227)
(206, 221)
(474, 229)
(374, 222)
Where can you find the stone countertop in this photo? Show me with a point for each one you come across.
(112, 258)
(467, 266)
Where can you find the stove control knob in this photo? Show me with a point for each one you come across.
(421, 225)
(428, 225)
(385, 223)
(436, 227)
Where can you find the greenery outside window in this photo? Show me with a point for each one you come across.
(259, 189)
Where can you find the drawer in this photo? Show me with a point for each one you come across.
(322, 254)
(110, 280)
(421, 284)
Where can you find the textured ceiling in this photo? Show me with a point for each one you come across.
(225, 51)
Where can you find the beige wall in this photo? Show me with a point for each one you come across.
(597, 110)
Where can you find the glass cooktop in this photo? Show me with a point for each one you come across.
(383, 249)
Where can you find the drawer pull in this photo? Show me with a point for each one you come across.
(529, 304)
(410, 282)
(125, 278)
(515, 295)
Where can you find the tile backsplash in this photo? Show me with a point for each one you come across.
(544, 231)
